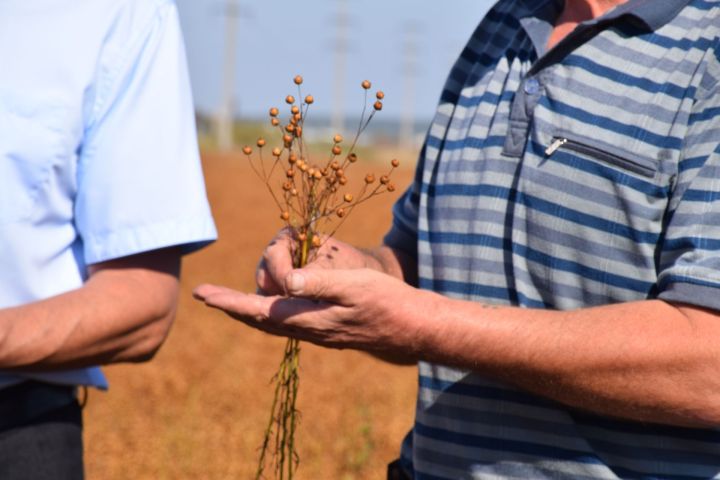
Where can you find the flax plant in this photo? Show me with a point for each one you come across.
(313, 202)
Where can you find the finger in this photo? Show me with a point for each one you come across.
(266, 284)
(277, 261)
(281, 316)
(203, 291)
(250, 309)
(334, 286)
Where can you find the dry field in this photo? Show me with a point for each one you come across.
(198, 410)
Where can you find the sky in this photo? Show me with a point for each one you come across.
(278, 39)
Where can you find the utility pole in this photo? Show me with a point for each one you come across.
(226, 113)
(410, 70)
(340, 49)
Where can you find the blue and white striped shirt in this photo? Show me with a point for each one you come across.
(585, 175)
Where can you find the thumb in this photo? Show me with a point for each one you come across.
(320, 284)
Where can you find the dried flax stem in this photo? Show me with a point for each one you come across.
(310, 199)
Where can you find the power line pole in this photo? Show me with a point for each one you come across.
(226, 112)
(340, 49)
(410, 70)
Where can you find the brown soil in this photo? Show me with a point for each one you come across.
(198, 410)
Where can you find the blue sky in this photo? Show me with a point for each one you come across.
(278, 39)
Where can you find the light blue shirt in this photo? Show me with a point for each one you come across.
(98, 153)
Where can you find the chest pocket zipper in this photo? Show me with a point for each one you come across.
(599, 154)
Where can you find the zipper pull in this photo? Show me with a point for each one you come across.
(557, 143)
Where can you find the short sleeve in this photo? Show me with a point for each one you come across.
(403, 234)
(689, 259)
(140, 183)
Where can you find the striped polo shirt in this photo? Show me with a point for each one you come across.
(584, 175)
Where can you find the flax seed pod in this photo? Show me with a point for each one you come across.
(247, 150)
(298, 79)
(260, 142)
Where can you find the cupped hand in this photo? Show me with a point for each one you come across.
(277, 260)
(338, 308)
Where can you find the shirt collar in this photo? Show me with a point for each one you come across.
(653, 14)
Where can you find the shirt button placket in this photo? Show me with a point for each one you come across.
(521, 112)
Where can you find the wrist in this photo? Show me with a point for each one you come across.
(382, 260)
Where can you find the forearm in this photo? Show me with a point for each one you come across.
(119, 315)
(646, 361)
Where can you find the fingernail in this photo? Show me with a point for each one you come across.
(295, 283)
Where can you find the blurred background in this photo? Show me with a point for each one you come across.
(198, 410)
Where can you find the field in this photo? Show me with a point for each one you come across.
(198, 410)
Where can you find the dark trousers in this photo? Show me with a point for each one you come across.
(40, 433)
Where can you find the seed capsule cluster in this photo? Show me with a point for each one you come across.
(310, 194)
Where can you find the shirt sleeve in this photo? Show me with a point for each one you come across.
(689, 257)
(403, 234)
(140, 183)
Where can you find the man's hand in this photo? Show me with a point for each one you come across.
(350, 308)
(647, 361)
(277, 263)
